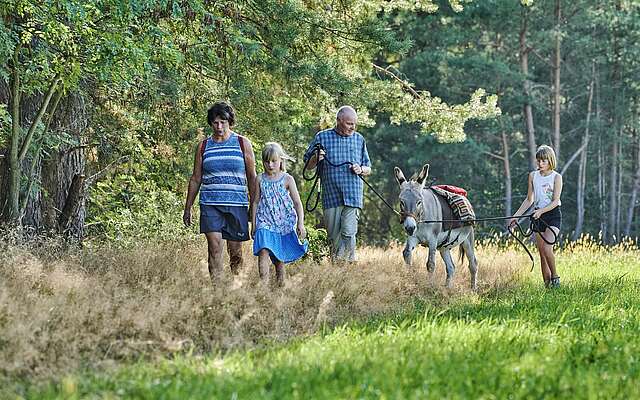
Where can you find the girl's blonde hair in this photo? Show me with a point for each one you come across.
(545, 152)
(272, 150)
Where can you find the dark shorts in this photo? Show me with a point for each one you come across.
(551, 218)
(231, 221)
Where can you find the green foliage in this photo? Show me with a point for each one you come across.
(319, 245)
(127, 209)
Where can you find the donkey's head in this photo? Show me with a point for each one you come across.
(411, 207)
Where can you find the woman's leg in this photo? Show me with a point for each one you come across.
(280, 273)
(214, 245)
(264, 265)
(235, 256)
(544, 266)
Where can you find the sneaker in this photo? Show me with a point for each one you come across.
(555, 282)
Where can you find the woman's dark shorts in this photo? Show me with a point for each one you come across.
(551, 218)
(231, 221)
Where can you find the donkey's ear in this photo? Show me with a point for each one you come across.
(399, 175)
(422, 176)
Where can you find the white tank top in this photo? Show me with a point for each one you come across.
(543, 189)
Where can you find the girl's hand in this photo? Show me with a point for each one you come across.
(512, 222)
(253, 231)
(537, 214)
(302, 233)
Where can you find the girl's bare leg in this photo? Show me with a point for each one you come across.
(544, 266)
(548, 250)
(264, 265)
(280, 273)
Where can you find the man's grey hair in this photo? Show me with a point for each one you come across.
(345, 110)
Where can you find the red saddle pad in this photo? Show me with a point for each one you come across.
(452, 189)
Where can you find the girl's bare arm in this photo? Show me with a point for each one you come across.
(297, 204)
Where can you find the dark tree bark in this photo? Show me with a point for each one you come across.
(556, 82)
(526, 86)
(635, 187)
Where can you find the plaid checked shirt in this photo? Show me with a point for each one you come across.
(340, 186)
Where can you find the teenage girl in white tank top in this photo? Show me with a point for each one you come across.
(544, 190)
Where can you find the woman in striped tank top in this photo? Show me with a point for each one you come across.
(545, 188)
(224, 174)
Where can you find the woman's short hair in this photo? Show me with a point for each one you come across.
(222, 110)
(272, 150)
(545, 152)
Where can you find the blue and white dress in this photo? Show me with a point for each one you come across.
(276, 222)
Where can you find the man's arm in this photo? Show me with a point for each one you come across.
(364, 168)
(311, 155)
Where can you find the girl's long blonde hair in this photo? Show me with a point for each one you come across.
(272, 150)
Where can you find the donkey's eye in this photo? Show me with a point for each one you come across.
(401, 204)
(418, 203)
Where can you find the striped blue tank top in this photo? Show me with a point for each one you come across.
(224, 179)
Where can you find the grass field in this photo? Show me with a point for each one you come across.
(388, 333)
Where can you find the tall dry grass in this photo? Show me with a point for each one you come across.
(62, 309)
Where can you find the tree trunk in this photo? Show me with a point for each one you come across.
(58, 172)
(619, 193)
(601, 195)
(52, 171)
(526, 86)
(507, 175)
(635, 188)
(582, 167)
(556, 82)
(613, 191)
(13, 181)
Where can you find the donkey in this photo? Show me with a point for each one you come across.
(418, 204)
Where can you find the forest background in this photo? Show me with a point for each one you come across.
(102, 103)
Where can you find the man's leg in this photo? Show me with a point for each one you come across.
(235, 256)
(332, 223)
(348, 230)
(214, 244)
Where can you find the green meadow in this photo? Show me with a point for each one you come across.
(516, 341)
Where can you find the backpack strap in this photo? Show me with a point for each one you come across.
(241, 140)
(203, 146)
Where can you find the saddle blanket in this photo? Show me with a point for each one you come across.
(459, 207)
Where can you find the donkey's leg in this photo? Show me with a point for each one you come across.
(431, 260)
(411, 243)
(467, 247)
(451, 267)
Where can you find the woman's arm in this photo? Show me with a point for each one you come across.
(250, 168)
(254, 206)
(194, 185)
(297, 204)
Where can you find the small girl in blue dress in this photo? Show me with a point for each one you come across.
(277, 215)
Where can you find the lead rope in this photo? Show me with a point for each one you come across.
(316, 177)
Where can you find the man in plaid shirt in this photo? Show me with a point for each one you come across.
(342, 195)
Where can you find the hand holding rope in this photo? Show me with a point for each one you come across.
(316, 152)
